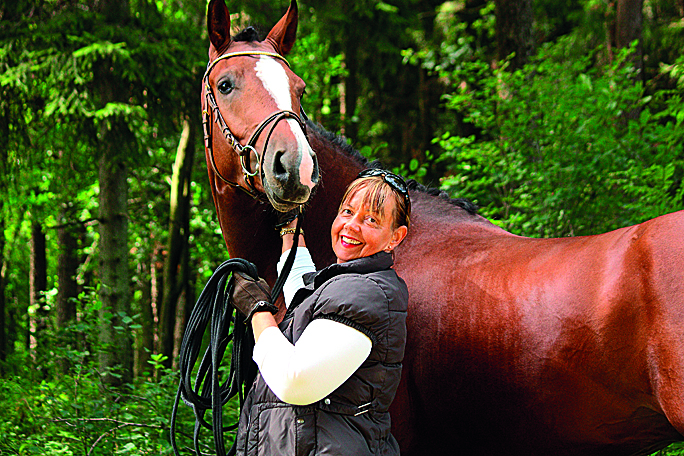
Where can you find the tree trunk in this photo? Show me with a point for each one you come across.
(176, 261)
(144, 336)
(68, 234)
(4, 174)
(3, 302)
(37, 286)
(514, 20)
(116, 350)
(629, 20)
(157, 287)
(185, 305)
(351, 81)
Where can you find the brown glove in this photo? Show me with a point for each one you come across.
(284, 218)
(251, 296)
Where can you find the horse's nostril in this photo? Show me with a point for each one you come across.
(279, 170)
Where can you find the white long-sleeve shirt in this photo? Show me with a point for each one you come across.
(325, 356)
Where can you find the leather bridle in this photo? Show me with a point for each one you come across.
(210, 109)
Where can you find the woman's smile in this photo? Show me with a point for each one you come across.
(346, 240)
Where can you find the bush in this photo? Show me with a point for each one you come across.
(77, 414)
(566, 146)
(60, 405)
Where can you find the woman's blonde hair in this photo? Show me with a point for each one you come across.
(378, 191)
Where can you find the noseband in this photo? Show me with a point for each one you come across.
(211, 107)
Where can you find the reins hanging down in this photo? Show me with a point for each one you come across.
(214, 309)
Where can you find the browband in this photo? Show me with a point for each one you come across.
(210, 66)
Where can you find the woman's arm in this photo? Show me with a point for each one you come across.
(324, 357)
(302, 264)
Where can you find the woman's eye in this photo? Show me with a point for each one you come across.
(225, 87)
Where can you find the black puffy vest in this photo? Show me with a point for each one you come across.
(353, 420)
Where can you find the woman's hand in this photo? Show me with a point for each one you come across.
(251, 296)
(285, 219)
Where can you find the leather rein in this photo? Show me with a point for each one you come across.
(210, 109)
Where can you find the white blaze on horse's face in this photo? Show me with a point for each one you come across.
(276, 82)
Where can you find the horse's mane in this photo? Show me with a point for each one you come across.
(251, 34)
(465, 204)
(413, 185)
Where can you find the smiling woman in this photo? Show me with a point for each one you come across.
(345, 329)
(372, 217)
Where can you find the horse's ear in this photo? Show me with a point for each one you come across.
(284, 33)
(218, 24)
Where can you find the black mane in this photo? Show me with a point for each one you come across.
(413, 185)
(249, 34)
(465, 204)
(341, 143)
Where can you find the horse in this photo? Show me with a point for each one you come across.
(516, 346)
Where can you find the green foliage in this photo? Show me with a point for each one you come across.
(676, 449)
(565, 147)
(44, 410)
(311, 60)
(76, 415)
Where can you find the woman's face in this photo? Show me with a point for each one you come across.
(357, 232)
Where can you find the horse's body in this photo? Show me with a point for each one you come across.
(515, 346)
(541, 346)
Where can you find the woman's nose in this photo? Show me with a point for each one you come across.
(354, 223)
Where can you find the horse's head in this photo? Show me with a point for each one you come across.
(254, 135)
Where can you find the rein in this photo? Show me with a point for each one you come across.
(206, 392)
(211, 109)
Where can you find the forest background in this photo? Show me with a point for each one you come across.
(557, 117)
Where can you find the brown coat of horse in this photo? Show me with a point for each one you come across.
(516, 346)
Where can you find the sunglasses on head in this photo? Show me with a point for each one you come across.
(394, 181)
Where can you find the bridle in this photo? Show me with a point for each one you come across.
(210, 109)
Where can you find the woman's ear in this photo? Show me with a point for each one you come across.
(397, 236)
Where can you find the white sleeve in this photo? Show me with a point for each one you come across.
(325, 356)
(302, 264)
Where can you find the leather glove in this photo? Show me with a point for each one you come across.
(251, 296)
(284, 218)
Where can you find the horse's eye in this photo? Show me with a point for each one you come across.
(226, 86)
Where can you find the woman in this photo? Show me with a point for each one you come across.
(330, 371)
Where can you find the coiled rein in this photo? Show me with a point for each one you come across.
(215, 310)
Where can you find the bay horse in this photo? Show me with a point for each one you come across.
(516, 346)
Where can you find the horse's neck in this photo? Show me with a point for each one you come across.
(248, 230)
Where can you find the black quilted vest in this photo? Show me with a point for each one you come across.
(353, 420)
